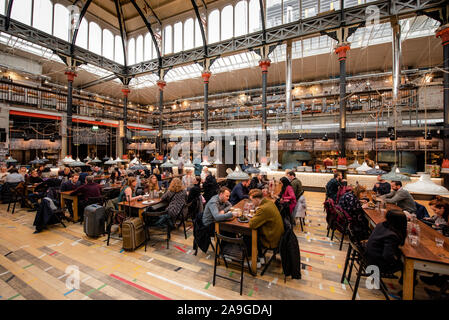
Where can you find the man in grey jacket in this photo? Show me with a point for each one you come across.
(402, 198)
(217, 209)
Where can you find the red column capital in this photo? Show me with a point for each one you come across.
(264, 64)
(443, 33)
(341, 50)
(70, 75)
(206, 75)
(126, 91)
(161, 84)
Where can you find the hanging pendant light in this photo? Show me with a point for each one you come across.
(426, 186)
(300, 138)
(395, 175)
(364, 167)
(96, 160)
(36, 161)
(87, 159)
(67, 160)
(354, 165)
(106, 158)
(11, 160)
(110, 162)
(252, 170)
(238, 174)
(77, 163)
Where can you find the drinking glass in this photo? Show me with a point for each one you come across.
(439, 242)
(414, 239)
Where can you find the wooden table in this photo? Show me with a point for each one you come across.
(426, 256)
(66, 195)
(102, 177)
(138, 205)
(238, 227)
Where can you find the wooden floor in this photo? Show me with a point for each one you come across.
(34, 266)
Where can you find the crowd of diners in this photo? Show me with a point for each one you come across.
(209, 202)
(382, 244)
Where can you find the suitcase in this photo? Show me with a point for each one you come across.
(132, 233)
(94, 220)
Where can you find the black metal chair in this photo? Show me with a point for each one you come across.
(235, 251)
(17, 194)
(274, 251)
(182, 219)
(355, 258)
(341, 226)
(149, 220)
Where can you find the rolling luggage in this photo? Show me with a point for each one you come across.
(94, 220)
(132, 233)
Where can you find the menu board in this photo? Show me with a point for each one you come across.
(295, 145)
(433, 145)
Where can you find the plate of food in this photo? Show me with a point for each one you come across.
(147, 202)
(243, 219)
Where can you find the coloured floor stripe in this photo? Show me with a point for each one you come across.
(13, 297)
(69, 292)
(158, 295)
(180, 249)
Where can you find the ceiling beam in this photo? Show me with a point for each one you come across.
(81, 16)
(122, 34)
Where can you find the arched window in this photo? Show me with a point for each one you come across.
(274, 13)
(131, 51)
(188, 34)
(108, 44)
(254, 16)
(21, 11)
(213, 34)
(148, 46)
(61, 28)
(241, 19)
(42, 15)
(94, 38)
(139, 49)
(81, 38)
(167, 40)
(227, 21)
(291, 10)
(198, 36)
(177, 37)
(118, 57)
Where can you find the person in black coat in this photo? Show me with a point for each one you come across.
(194, 198)
(333, 185)
(383, 244)
(43, 188)
(210, 187)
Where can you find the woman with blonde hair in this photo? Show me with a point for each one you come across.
(176, 196)
(152, 185)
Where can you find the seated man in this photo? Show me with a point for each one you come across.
(401, 197)
(217, 209)
(14, 176)
(268, 221)
(34, 178)
(42, 189)
(70, 185)
(240, 192)
(382, 186)
(66, 173)
(86, 192)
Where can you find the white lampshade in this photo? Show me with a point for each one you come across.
(363, 168)
(426, 186)
(189, 164)
(238, 174)
(354, 165)
(67, 160)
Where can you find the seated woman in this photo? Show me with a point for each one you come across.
(152, 185)
(287, 195)
(210, 187)
(114, 177)
(256, 182)
(383, 244)
(128, 192)
(176, 197)
(441, 209)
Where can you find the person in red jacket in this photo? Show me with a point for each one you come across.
(86, 192)
(287, 194)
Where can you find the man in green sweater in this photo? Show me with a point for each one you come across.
(267, 220)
